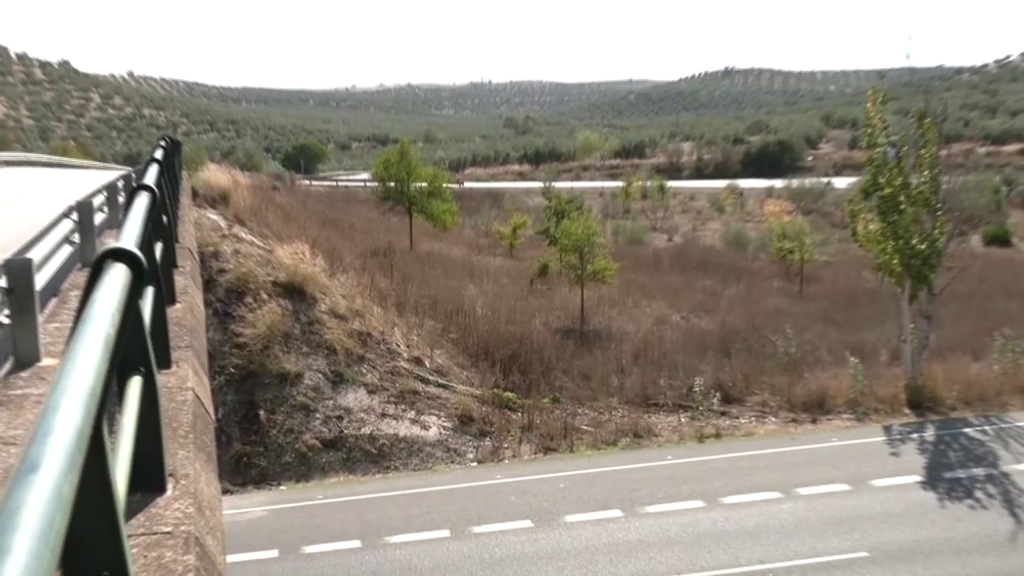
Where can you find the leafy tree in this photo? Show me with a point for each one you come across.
(896, 216)
(584, 257)
(656, 203)
(408, 185)
(558, 209)
(771, 158)
(793, 244)
(305, 157)
(510, 233)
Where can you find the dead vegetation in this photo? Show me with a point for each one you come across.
(334, 348)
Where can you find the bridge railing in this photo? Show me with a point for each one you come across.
(65, 503)
(32, 275)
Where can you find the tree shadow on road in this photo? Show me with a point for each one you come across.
(965, 460)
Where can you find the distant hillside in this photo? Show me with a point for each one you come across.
(984, 103)
(118, 116)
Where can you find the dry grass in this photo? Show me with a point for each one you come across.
(688, 308)
(225, 188)
(679, 312)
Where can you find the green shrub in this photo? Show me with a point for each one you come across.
(997, 235)
(630, 233)
(735, 236)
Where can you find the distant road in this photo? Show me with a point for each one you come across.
(920, 500)
(362, 180)
(32, 196)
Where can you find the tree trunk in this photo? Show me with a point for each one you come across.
(910, 368)
(924, 327)
(511, 251)
(583, 311)
(409, 213)
(802, 276)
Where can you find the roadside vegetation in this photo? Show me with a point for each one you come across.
(524, 323)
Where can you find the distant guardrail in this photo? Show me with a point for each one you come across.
(33, 275)
(839, 182)
(65, 503)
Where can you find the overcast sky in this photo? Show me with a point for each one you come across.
(326, 44)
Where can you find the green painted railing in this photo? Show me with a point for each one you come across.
(65, 505)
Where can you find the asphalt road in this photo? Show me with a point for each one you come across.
(932, 499)
(31, 197)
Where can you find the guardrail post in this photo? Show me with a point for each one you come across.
(23, 299)
(86, 231)
(113, 194)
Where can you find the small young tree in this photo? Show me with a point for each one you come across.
(656, 204)
(733, 198)
(557, 210)
(510, 232)
(896, 216)
(627, 193)
(584, 257)
(794, 245)
(407, 185)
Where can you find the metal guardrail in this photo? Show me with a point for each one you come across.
(32, 275)
(65, 503)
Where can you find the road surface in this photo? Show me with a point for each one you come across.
(919, 499)
(30, 197)
(840, 182)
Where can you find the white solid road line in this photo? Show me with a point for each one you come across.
(710, 458)
(673, 506)
(788, 564)
(588, 516)
(501, 526)
(331, 546)
(896, 480)
(823, 489)
(418, 536)
(246, 556)
(754, 497)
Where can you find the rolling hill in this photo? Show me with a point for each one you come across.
(118, 116)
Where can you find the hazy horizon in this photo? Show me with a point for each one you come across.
(316, 46)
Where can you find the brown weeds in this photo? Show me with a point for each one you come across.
(680, 311)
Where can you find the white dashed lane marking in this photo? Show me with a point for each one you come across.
(823, 489)
(331, 547)
(896, 480)
(501, 527)
(754, 497)
(674, 506)
(679, 506)
(621, 468)
(418, 536)
(588, 516)
(247, 556)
